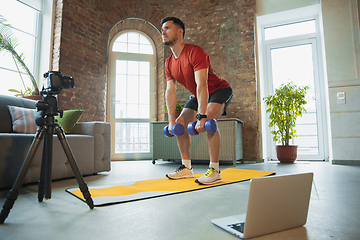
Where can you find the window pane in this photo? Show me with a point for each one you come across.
(295, 64)
(132, 137)
(26, 47)
(24, 34)
(146, 49)
(121, 67)
(12, 80)
(132, 93)
(15, 13)
(132, 110)
(144, 111)
(122, 38)
(144, 90)
(119, 47)
(133, 68)
(144, 40)
(121, 86)
(133, 42)
(133, 48)
(133, 37)
(133, 89)
(120, 110)
(144, 68)
(288, 30)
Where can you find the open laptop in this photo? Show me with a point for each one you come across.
(275, 203)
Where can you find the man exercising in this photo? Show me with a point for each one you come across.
(190, 66)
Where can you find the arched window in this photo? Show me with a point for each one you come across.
(131, 84)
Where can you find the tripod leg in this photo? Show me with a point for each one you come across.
(41, 185)
(14, 192)
(44, 186)
(82, 185)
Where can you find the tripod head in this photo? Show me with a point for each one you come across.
(46, 110)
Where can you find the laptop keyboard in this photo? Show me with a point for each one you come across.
(238, 226)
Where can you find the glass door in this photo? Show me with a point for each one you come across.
(132, 96)
(132, 107)
(297, 62)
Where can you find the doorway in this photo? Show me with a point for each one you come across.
(132, 97)
(297, 62)
(290, 51)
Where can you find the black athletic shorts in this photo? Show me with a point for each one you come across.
(223, 95)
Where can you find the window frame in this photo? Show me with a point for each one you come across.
(113, 56)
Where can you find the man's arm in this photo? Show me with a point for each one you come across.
(201, 78)
(170, 97)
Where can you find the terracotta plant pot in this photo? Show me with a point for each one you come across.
(286, 154)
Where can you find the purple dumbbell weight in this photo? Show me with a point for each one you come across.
(178, 130)
(211, 126)
(191, 128)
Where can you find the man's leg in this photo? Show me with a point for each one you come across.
(184, 141)
(213, 111)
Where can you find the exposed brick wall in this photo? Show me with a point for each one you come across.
(224, 28)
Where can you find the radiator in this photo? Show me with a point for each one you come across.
(231, 142)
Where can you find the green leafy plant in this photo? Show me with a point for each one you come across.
(9, 43)
(179, 106)
(284, 106)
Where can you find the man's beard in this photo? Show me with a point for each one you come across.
(171, 42)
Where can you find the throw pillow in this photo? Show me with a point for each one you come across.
(69, 119)
(23, 119)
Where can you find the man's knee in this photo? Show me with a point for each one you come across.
(215, 110)
(186, 116)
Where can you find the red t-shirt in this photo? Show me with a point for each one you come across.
(192, 59)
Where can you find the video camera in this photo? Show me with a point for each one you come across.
(54, 82)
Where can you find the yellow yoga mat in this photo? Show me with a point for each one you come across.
(126, 192)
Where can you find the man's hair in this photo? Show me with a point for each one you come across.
(176, 21)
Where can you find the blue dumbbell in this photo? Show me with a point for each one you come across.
(178, 130)
(211, 126)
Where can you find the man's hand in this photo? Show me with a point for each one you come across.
(200, 125)
(171, 124)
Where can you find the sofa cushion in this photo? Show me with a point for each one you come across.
(5, 118)
(69, 119)
(23, 119)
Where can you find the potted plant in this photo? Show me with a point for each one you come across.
(178, 109)
(9, 43)
(284, 106)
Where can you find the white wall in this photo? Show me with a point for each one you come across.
(342, 50)
(264, 7)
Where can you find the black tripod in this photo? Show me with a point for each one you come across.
(45, 119)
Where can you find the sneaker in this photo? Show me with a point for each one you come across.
(210, 177)
(181, 173)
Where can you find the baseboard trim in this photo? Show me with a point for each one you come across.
(346, 162)
(250, 161)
